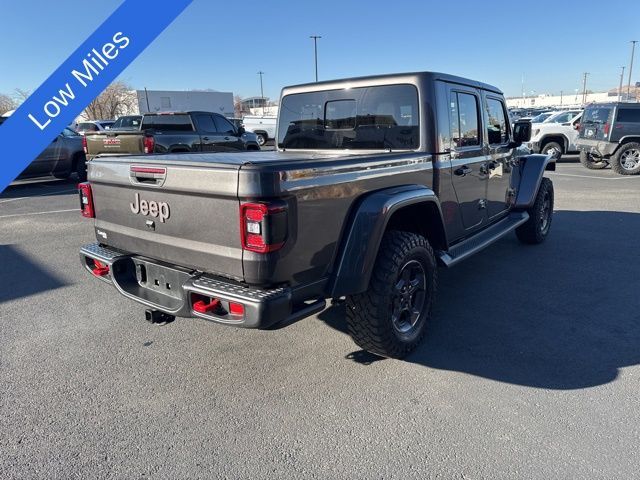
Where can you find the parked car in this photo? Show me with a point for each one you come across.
(554, 138)
(263, 126)
(63, 157)
(371, 188)
(610, 134)
(94, 126)
(127, 122)
(173, 132)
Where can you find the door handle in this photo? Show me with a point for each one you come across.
(462, 171)
(205, 138)
(226, 138)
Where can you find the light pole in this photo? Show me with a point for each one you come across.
(633, 49)
(315, 51)
(620, 87)
(261, 91)
(584, 87)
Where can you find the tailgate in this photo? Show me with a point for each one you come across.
(115, 143)
(181, 212)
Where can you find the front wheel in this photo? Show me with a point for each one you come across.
(262, 139)
(536, 229)
(627, 159)
(554, 149)
(592, 163)
(391, 317)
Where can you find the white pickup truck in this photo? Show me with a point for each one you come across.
(557, 135)
(264, 126)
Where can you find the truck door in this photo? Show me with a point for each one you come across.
(228, 138)
(468, 158)
(208, 133)
(501, 155)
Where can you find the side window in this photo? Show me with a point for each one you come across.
(629, 115)
(223, 125)
(496, 122)
(205, 123)
(464, 120)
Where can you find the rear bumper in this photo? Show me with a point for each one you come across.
(597, 148)
(174, 290)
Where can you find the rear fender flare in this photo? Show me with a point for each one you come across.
(368, 223)
(531, 173)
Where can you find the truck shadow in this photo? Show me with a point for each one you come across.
(21, 277)
(563, 315)
(40, 187)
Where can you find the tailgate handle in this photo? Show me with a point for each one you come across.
(147, 175)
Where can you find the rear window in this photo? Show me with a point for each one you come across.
(127, 122)
(629, 115)
(382, 117)
(180, 123)
(87, 127)
(596, 115)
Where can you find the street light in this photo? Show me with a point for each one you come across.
(261, 91)
(620, 87)
(633, 49)
(315, 51)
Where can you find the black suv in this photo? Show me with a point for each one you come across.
(610, 134)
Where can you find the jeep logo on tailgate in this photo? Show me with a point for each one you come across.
(150, 207)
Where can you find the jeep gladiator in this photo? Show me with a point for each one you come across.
(172, 132)
(376, 182)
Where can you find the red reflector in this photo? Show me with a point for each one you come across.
(84, 144)
(158, 171)
(86, 200)
(203, 307)
(606, 128)
(236, 308)
(100, 269)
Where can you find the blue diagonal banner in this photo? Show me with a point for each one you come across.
(80, 79)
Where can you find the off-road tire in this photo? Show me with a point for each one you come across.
(369, 314)
(631, 148)
(587, 160)
(553, 146)
(536, 229)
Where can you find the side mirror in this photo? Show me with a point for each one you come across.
(241, 130)
(521, 133)
(576, 126)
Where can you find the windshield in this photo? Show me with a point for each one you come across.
(540, 118)
(596, 115)
(383, 117)
(561, 117)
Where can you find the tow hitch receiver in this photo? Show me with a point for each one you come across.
(157, 317)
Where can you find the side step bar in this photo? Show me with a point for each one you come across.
(481, 240)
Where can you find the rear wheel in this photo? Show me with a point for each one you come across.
(627, 160)
(554, 149)
(391, 317)
(536, 229)
(592, 163)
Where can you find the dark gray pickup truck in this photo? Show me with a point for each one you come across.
(377, 181)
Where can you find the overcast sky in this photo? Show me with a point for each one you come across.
(222, 45)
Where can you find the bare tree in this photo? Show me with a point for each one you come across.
(117, 99)
(20, 95)
(6, 103)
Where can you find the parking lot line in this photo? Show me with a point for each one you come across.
(39, 213)
(590, 176)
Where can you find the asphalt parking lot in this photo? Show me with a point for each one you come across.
(531, 368)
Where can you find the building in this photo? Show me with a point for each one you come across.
(572, 100)
(151, 101)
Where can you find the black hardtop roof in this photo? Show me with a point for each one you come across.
(187, 112)
(389, 78)
(613, 104)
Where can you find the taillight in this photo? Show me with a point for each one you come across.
(84, 144)
(263, 227)
(86, 200)
(606, 128)
(149, 144)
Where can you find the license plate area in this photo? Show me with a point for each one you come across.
(154, 283)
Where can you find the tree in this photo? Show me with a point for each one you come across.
(117, 99)
(6, 103)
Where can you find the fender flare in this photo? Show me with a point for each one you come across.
(359, 249)
(532, 169)
(565, 139)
